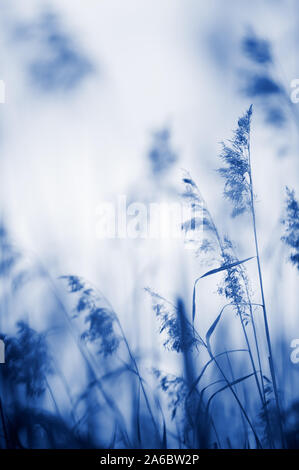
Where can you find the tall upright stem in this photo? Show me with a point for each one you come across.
(262, 396)
(5, 433)
(267, 331)
(139, 376)
(261, 389)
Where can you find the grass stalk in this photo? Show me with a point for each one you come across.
(5, 432)
(228, 385)
(260, 277)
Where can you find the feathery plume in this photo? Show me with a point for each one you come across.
(28, 360)
(98, 315)
(234, 282)
(178, 331)
(237, 167)
(205, 241)
(176, 389)
(291, 223)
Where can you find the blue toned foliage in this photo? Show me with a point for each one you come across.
(110, 400)
(234, 286)
(178, 331)
(291, 224)
(208, 238)
(261, 86)
(28, 359)
(74, 283)
(260, 80)
(59, 65)
(161, 154)
(175, 388)
(98, 315)
(235, 155)
(258, 50)
(275, 116)
(100, 331)
(10, 255)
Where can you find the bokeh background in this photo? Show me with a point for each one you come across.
(92, 91)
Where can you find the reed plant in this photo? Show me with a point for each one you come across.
(117, 401)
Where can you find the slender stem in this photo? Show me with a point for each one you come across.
(267, 331)
(235, 388)
(244, 331)
(262, 397)
(237, 399)
(90, 367)
(216, 433)
(4, 425)
(213, 358)
(221, 247)
(262, 392)
(53, 398)
(262, 379)
(257, 349)
(67, 390)
(243, 274)
(138, 374)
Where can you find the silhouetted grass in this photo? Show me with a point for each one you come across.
(114, 401)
